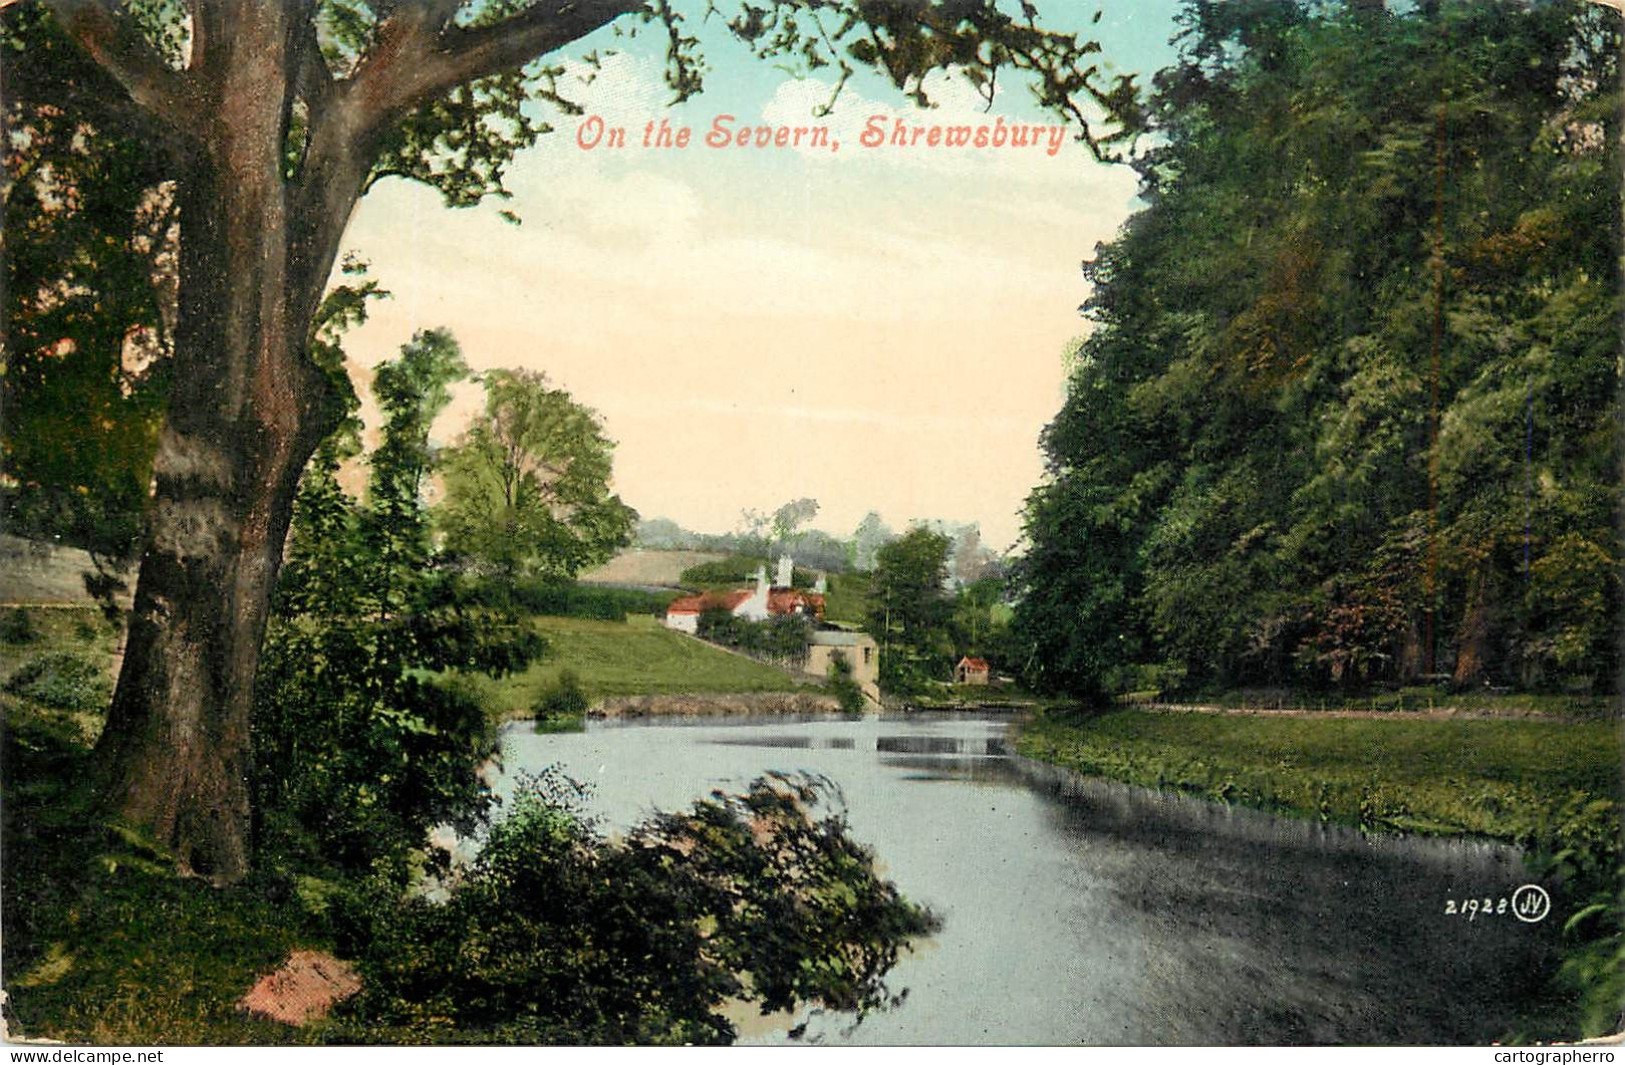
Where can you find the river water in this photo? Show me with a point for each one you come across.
(1086, 912)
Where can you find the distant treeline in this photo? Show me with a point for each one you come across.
(763, 537)
(555, 598)
(741, 569)
(812, 548)
(1349, 411)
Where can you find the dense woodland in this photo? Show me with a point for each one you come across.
(1348, 410)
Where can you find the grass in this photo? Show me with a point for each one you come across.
(57, 633)
(846, 599)
(1402, 700)
(978, 694)
(648, 566)
(1518, 780)
(637, 657)
(103, 943)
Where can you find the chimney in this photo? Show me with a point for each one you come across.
(822, 587)
(761, 578)
(787, 571)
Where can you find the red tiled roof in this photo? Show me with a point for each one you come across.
(788, 600)
(974, 665)
(779, 601)
(696, 604)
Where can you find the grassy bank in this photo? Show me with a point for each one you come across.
(636, 657)
(952, 696)
(846, 599)
(1517, 780)
(103, 943)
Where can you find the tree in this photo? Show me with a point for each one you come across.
(89, 309)
(555, 934)
(1348, 381)
(909, 608)
(272, 120)
(867, 539)
(971, 560)
(975, 622)
(360, 750)
(411, 392)
(792, 516)
(848, 692)
(527, 487)
(814, 549)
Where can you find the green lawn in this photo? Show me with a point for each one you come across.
(637, 657)
(1519, 780)
(847, 598)
(104, 944)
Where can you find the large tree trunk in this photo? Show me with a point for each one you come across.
(246, 411)
(1474, 643)
(247, 407)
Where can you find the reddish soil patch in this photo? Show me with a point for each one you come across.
(304, 989)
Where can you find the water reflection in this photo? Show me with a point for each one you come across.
(782, 742)
(1096, 913)
(992, 747)
(988, 747)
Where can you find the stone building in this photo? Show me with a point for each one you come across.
(859, 648)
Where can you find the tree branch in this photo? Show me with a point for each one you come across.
(313, 80)
(416, 60)
(116, 44)
(438, 13)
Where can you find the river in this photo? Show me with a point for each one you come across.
(1087, 912)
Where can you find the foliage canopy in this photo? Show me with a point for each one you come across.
(1355, 372)
(527, 486)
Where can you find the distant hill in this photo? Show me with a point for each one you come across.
(644, 568)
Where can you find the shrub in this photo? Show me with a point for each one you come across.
(740, 569)
(902, 673)
(565, 599)
(63, 680)
(846, 690)
(556, 934)
(562, 701)
(782, 639)
(736, 570)
(17, 627)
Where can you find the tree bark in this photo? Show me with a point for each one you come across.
(1477, 631)
(247, 409)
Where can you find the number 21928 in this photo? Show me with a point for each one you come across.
(1472, 908)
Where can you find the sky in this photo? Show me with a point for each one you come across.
(875, 328)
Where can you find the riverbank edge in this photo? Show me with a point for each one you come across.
(690, 707)
(1594, 965)
(618, 707)
(1278, 779)
(1441, 712)
(807, 702)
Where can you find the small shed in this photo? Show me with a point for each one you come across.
(972, 671)
(858, 648)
